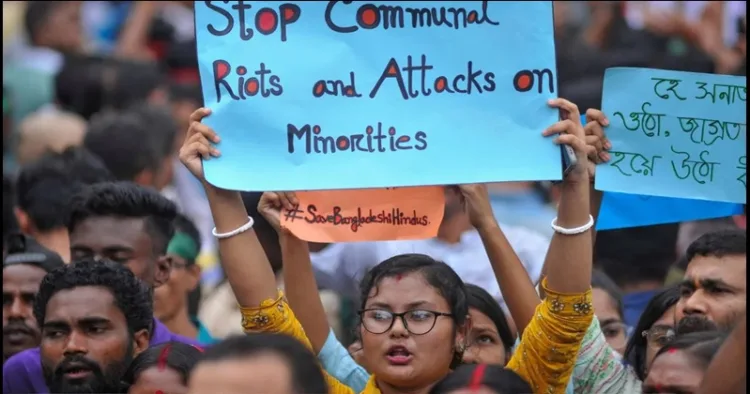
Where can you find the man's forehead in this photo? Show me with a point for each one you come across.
(728, 269)
(79, 302)
(108, 230)
(20, 288)
(23, 273)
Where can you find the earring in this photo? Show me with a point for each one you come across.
(461, 348)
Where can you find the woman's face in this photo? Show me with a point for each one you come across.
(155, 379)
(674, 372)
(614, 329)
(659, 332)
(484, 344)
(397, 356)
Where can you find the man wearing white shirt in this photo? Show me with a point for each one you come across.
(341, 266)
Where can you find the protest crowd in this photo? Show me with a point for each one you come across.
(126, 271)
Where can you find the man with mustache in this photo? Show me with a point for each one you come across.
(714, 289)
(95, 317)
(23, 269)
(122, 222)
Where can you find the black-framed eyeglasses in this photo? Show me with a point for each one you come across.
(659, 335)
(417, 321)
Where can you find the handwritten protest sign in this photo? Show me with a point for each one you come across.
(675, 134)
(366, 215)
(347, 95)
(620, 210)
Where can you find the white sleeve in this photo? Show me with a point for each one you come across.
(530, 247)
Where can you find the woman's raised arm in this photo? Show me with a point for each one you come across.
(304, 299)
(242, 258)
(511, 276)
(301, 289)
(547, 352)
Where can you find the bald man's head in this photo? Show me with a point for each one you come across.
(48, 131)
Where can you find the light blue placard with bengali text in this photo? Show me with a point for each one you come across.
(338, 96)
(675, 134)
(620, 210)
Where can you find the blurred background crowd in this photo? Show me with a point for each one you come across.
(102, 90)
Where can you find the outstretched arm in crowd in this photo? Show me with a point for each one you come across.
(243, 260)
(301, 288)
(546, 355)
(511, 276)
(510, 273)
(569, 257)
(598, 145)
(299, 279)
(133, 40)
(245, 264)
(302, 293)
(595, 353)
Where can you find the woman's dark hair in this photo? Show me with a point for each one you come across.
(474, 376)
(482, 301)
(702, 346)
(178, 356)
(307, 377)
(437, 274)
(635, 352)
(600, 280)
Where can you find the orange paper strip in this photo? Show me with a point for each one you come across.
(366, 214)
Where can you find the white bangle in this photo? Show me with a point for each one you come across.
(240, 230)
(572, 231)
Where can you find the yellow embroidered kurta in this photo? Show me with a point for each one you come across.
(548, 350)
(545, 356)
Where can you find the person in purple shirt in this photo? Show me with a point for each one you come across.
(122, 222)
(95, 316)
(24, 267)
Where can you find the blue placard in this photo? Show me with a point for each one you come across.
(329, 95)
(675, 134)
(620, 210)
